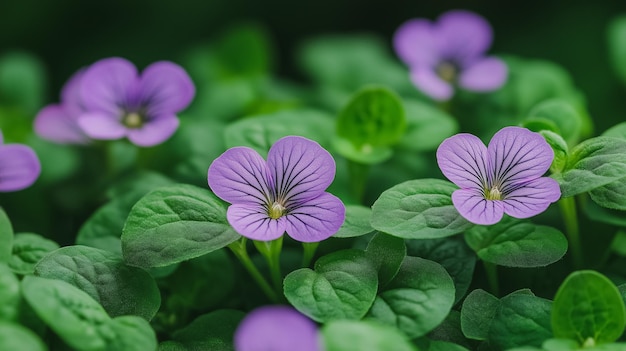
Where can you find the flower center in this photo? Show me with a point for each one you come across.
(447, 71)
(276, 211)
(493, 194)
(133, 120)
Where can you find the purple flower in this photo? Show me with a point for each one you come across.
(121, 103)
(19, 166)
(284, 194)
(276, 328)
(505, 177)
(59, 122)
(449, 51)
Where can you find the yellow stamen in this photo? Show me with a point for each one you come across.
(446, 71)
(276, 211)
(133, 120)
(494, 193)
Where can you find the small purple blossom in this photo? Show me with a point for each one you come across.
(277, 328)
(121, 103)
(285, 194)
(449, 51)
(505, 177)
(19, 166)
(59, 122)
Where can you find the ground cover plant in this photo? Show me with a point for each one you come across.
(418, 192)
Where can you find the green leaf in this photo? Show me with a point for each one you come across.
(612, 195)
(343, 285)
(564, 116)
(244, 50)
(604, 215)
(417, 300)
(137, 184)
(28, 249)
(560, 345)
(260, 132)
(9, 294)
(418, 209)
(344, 335)
(516, 243)
(521, 320)
(387, 253)
(427, 126)
(616, 36)
(560, 149)
(173, 224)
(132, 333)
(588, 306)
(437, 345)
(120, 289)
(593, 163)
(453, 254)
(477, 313)
(212, 331)
(450, 330)
(84, 323)
(357, 222)
(6, 237)
(365, 154)
(22, 81)
(16, 337)
(374, 116)
(617, 131)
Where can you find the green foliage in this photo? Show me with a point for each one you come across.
(173, 224)
(345, 335)
(426, 126)
(212, 331)
(591, 164)
(588, 308)
(560, 149)
(616, 37)
(566, 120)
(342, 286)
(612, 195)
(28, 249)
(6, 237)
(477, 313)
(418, 209)
(22, 82)
(9, 294)
(120, 289)
(357, 222)
(387, 253)
(417, 300)
(521, 320)
(516, 243)
(16, 337)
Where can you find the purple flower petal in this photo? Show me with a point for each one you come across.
(70, 94)
(463, 35)
(462, 158)
(276, 328)
(532, 198)
(473, 206)
(252, 221)
(317, 219)
(108, 85)
(415, 42)
(427, 80)
(154, 132)
(19, 167)
(59, 124)
(240, 176)
(301, 169)
(486, 74)
(518, 155)
(165, 88)
(101, 126)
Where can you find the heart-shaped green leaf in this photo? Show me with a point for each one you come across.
(28, 249)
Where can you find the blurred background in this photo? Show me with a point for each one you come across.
(68, 34)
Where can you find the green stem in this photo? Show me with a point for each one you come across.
(358, 179)
(568, 210)
(492, 277)
(271, 251)
(239, 249)
(309, 252)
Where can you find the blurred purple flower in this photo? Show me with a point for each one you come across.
(19, 166)
(276, 328)
(121, 103)
(449, 51)
(284, 194)
(59, 122)
(505, 177)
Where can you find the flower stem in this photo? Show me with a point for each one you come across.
(239, 250)
(568, 210)
(271, 251)
(309, 252)
(492, 277)
(358, 179)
